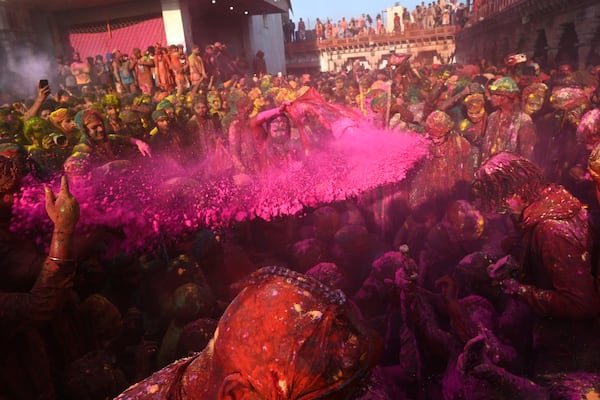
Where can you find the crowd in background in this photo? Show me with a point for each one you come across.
(464, 303)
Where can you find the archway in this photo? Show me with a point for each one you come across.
(594, 56)
(540, 48)
(567, 45)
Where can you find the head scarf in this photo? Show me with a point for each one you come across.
(290, 336)
(58, 116)
(110, 100)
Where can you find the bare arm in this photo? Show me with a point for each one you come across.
(42, 95)
(49, 293)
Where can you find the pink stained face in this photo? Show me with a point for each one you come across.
(279, 128)
(95, 130)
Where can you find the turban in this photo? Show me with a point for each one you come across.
(58, 116)
(438, 123)
(158, 114)
(588, 130)
(567, 98)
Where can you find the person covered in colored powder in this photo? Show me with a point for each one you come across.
(445, 175)
(508, 128)
(273, 132)
(285, 335)
(557, 279)
(97, 149)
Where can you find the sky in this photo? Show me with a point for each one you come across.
(310, 10)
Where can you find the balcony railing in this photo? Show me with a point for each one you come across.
(408, 35)
(489, 8)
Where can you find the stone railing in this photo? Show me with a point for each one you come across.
(410, 34)
(489, 8)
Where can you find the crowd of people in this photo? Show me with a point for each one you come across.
(473, 278)
(424, 16)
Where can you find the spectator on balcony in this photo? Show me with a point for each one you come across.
(143, 70)
(380, 30)
(164, 76)
(292, 31)
(452, 6)
(101, 70)
(462, 15)
(405, 17)
(319, 30)
(301, 30)
(437, 14)
(179, 66)
(81, 71)
(445, 15)
(361, 23)
(197, 71)
(397, 27)
(342, 27)
(328, 29)
(418, 16)
(430, 17)
(335, 31)
(285, 26)
(209, 62)
(352, 28)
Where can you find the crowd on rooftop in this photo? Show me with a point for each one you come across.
(424, 16)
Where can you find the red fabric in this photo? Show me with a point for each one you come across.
(141, 34)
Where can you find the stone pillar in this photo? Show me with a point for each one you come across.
(176, 17)
(586, 30)
(553, 35)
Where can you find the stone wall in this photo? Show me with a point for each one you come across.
(552, 31)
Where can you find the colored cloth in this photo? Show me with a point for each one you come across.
(560, 286)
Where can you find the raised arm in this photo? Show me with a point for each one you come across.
(49, 293)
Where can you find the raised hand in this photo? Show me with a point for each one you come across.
(63, 208)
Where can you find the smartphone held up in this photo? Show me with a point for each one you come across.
(43, 83)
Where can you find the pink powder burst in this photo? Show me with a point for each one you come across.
(159, 201)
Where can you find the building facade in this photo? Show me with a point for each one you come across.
(428, 46)
(550, 31)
